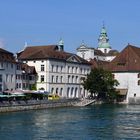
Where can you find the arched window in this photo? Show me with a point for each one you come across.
(138, 75)
(52, 90)
(68, 90)
(138, 82)
(61, 91)
(57, 91)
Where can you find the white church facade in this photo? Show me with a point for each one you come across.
(103, 52)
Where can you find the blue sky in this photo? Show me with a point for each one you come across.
(44, 22)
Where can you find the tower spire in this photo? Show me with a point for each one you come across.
(61, 44)
(103, 41)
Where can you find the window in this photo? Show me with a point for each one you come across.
(61, 79)
(17, 85)
(11, 65)
(30, 77)
(68, 78)
(56, 79)
(76, 70)
(2, 64)
(34, 61)
(76, 79)
(23, 85)
(57, 68)
(42, 67)
(11, 78)
(6, 77)
(0, 87)
(138, 82)
(72, 79)
(0, 78)
(52, 78)
(83, 55)
(52, 68)
(68, 69)
(138, 75)
(61, 69)
(52, 90)
(42, 78)
(18, 67)
(61, 92)
(81, 70)
(57, 91)
(72, 69)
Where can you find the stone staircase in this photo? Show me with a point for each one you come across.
(85, 102)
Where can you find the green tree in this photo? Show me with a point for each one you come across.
(101, 82)
(33, 87)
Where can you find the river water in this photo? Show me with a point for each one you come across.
(97, 122)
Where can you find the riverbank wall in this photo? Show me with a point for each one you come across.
(134, 100)
(6, 106)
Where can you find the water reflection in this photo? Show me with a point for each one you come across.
(102, 122)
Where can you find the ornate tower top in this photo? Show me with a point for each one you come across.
(61, 44)
(103, 41)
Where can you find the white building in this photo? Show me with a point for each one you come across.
(126, 69)
(103, 52)
(7, 70)
(25, 76)
(59, 72)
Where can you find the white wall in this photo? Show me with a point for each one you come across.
(8, 72)
(87, 54)
(129, 80)
(60, 73)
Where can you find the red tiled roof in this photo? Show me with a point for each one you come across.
(6, 56)
(47, 52)
(127, 60)
(98, 63)
(28, 69)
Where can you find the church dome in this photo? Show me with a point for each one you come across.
(104, 45)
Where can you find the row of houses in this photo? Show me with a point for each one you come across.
(50, 68)
(13, 74)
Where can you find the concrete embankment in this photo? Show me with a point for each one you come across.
(6, 106)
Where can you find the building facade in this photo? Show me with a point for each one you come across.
(126, 69)
(12, 73)
(59, 72)
(7, 70)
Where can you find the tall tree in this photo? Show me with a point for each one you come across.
(101, 82)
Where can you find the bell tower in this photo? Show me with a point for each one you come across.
(61, 44)
(103, 41)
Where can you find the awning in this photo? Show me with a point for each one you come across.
(122, 91)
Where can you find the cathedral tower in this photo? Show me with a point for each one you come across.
(103, 41)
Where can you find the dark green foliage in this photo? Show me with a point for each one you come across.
(33, 87)
(101, 83)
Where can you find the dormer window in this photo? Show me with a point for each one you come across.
(138, 82)
(138, 75)
(121, 63)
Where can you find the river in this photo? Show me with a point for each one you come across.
(97, 122)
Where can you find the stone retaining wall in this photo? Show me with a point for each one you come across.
(134, 100)
(6, 106)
